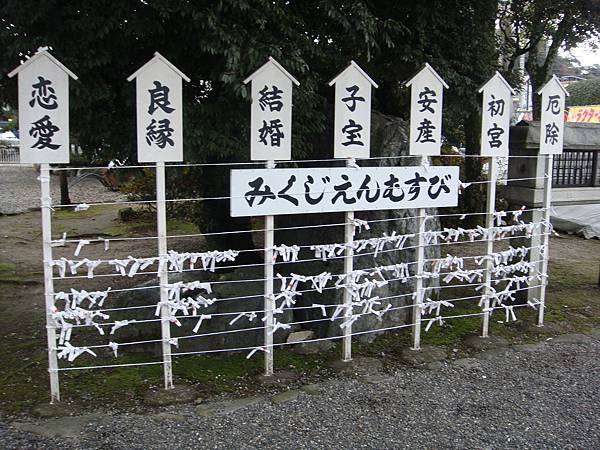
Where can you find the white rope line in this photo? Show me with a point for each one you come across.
(153, 306)
(236, 349)
(261, 164)
(299, 261)
(295, 308)
(463, 240)
(262, 279)
(395, 219)
(275, 345)
(291, 194)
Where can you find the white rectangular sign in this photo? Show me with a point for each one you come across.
(159, 113)
(261, 192)
(552, 123)
(271, 112)
(43, 110)
(352, 129)
(496, 113)
(426, 99)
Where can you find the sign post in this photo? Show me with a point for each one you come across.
(352, 139)
(495, 128)
(426, 99)
(44, 121)
(270, 140)
(551, 143)
(159, 111)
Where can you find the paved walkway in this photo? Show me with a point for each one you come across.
(20, 190)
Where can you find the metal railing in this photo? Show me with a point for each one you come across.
(9, 154)
(576, 168)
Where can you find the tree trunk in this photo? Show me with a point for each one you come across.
(213, 216)
(65, 199)
(537, 75)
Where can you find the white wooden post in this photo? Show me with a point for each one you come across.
(163, 275)
(48, 281)
(159, 117)
(419, 289)
(551, 142)
(426, 99)
(270, 140)
(351, 139)
(495, 129)
(44, 119)
(348, 268)
(269, 300)
(546, 236)
(489, 222)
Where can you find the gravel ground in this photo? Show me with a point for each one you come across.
(20, 190)
(532, 396)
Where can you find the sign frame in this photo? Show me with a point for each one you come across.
(44, 112)
(328, 183)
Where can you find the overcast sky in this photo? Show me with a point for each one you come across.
(586, 55)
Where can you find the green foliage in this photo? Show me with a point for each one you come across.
(538, 29)
(584, 93)
(216, 41)
(219, 43)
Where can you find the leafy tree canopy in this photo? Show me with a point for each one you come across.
(539, 28)
(216, 43)
(584, 93)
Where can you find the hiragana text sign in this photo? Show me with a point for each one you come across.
(260, 192)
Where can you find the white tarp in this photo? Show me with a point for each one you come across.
(578, 219)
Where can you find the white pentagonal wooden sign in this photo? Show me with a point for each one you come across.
(159, 110)
(495, 116)
(553, 117)
(426, 99)
(352, 135)
(43, 109)
(271, 112)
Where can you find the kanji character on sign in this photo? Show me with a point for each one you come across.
(270, 98)
(273, 131)
(371, 194)
(494, 134)
(551, 134)
(435, 190)
(283, 193)
(495, 106)
(415, 185)
(256, 192)
(392, 185)
(425, 129)
(161, 134)
(341, 192)
(351, 100)
(43, 94)
(43, 130)
(426, 99)
(352, 132)
(553, 104)
(159, 98)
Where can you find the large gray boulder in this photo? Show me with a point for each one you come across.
(389, 139)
